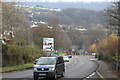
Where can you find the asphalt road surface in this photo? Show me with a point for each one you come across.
(79, 67)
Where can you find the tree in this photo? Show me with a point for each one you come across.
(38, 33)
(113, 14)
(54, 22)
(62, 40)
(14, 24)
(11, 19)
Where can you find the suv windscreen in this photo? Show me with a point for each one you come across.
(46, 61)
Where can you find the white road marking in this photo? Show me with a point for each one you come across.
(93, 73)
(99, 73)
(88, 77)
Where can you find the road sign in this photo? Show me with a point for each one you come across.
(48, 44)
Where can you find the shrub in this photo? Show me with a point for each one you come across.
(16, 55)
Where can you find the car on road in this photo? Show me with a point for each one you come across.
(49, 67)
(66, 58)
(70, 55)
(93, 54)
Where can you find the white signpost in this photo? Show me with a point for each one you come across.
(48, 44)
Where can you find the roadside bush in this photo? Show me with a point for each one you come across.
(4, 48)
(16, 55)
(107, 50)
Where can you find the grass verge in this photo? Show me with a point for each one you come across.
(15, 68)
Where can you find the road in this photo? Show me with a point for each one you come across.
(78, 67)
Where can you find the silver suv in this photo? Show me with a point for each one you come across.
(49, 67)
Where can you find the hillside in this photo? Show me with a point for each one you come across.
(62, 5)
(73, 16)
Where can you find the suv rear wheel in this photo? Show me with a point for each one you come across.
(63, 74)
(55, 76)
(35, 76)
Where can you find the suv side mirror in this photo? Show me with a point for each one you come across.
(34, 62)
(58, 62)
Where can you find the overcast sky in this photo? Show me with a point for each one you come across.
(58, 0)
(74, 0)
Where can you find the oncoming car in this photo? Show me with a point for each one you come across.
(65, 58)
(49, 67)
(70, 55)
